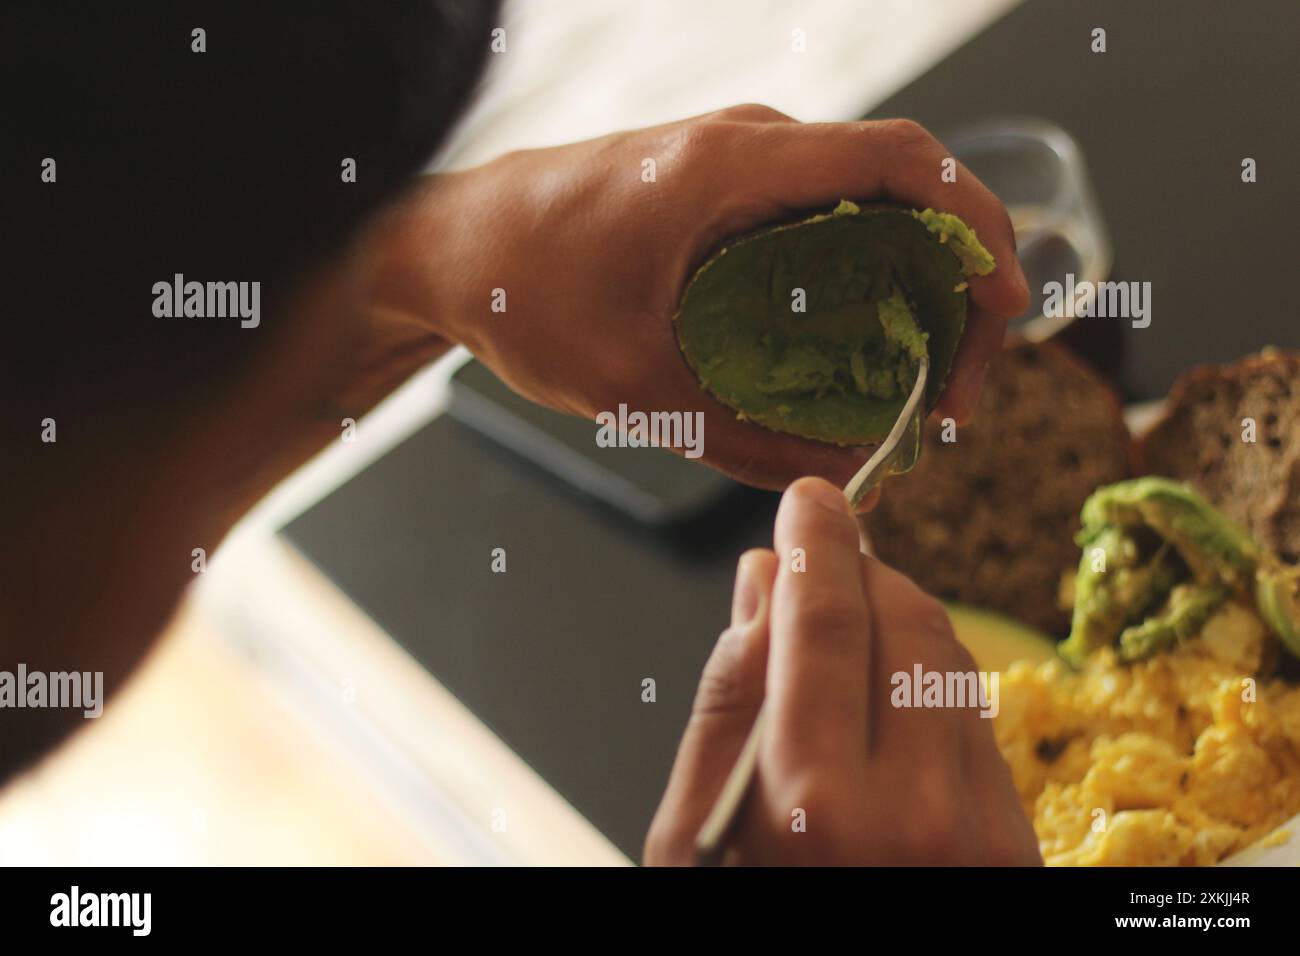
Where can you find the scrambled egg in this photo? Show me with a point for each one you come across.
(1181, 759)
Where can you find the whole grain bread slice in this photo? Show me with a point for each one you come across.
(1204, 439)
(989, 519)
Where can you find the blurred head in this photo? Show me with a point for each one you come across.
(223, 166)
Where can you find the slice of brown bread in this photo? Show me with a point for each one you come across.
(1201, 440)
(990, 518)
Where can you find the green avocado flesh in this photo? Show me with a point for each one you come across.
(996, 641)
(816, 327)
(1158, 562)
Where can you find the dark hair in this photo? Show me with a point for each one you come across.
(222, 165)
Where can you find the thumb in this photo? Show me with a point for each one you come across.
(728, 699)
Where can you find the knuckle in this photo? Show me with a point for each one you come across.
(716, 694)
(827, 617)
(727, 683)
(905, 134)
(719, 692)
(752, 112)
(701, 141)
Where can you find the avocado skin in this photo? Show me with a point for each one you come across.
(846, 262)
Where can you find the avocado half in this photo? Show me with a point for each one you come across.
(1158, 561)
(995, 640)
(816, 327)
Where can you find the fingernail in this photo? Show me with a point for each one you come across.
(819, 492)
(748, 594)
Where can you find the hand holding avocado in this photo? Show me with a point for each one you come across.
(593, 259)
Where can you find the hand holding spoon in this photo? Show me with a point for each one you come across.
(897, 455)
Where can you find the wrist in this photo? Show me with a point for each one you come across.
(421, 256)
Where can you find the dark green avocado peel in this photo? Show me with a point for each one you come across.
(816, 327)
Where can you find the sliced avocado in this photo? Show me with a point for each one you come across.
(1172, 560)
(1213, 546)
(1277, 594)
(997, 641)
(816, 327)
(1183, 615)
(1107, 600)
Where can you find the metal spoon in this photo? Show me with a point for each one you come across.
(901, 449)
(897, 455)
